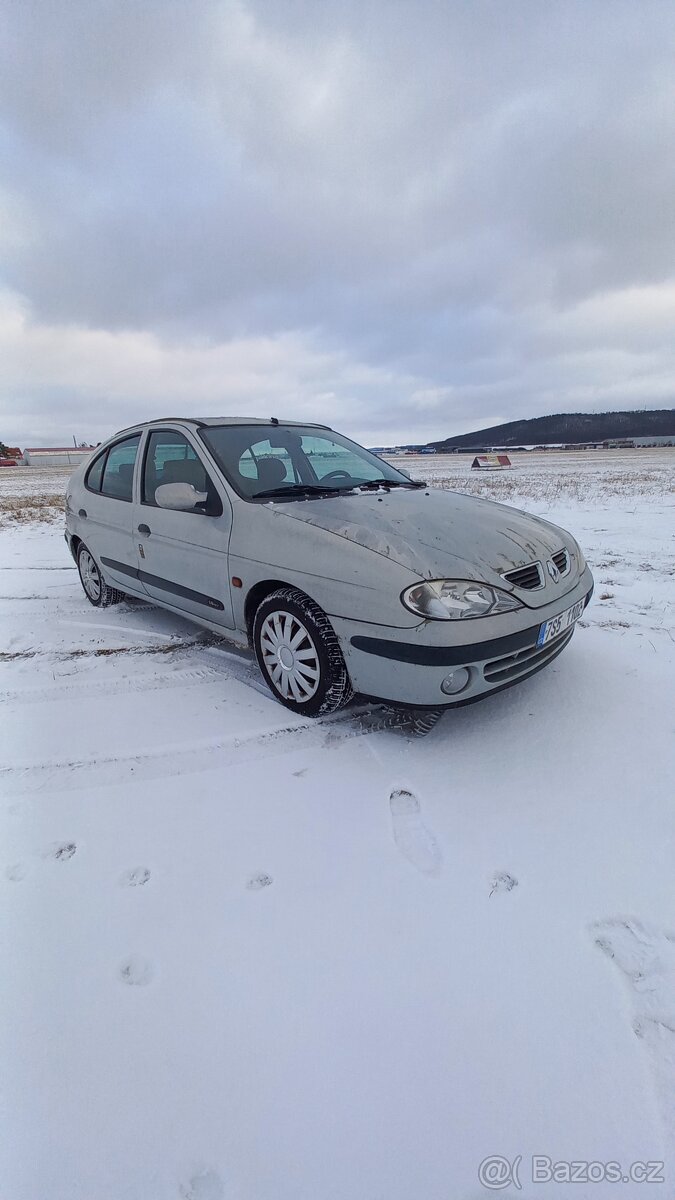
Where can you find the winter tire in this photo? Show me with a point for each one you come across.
(97, 591)
(299, 654)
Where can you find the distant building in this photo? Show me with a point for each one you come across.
(666, 440)
(56, 456)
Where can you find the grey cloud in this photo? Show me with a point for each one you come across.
(421, 188)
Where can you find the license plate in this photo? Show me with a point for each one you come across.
(557, 625)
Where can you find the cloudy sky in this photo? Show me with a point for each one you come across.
(406, 219)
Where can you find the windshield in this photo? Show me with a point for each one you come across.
(287, 461)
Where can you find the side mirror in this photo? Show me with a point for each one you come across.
(182, 497)
(402, 472)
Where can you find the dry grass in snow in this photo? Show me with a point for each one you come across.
(32, 495)
(29, 509)
(555, 479)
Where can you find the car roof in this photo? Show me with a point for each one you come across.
(201, 422)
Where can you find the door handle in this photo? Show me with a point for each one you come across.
(82, 512)
(144, 529)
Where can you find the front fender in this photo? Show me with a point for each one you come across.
(345, 578)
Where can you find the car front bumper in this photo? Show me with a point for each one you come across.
(385, 664)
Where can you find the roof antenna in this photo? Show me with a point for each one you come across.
(274, 420)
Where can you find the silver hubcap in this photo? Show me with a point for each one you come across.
(91, 580)
(290, 657)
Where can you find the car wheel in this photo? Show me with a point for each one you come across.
(97, 591)
(299, 654)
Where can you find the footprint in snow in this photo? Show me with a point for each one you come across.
(411, 835)
(645, 956)
(61, 851)
(135, 971)
(503, 882)
(16, 872)
(256, 882)
(136, 877)
(204, 1185)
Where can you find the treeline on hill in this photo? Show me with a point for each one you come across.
(568, 428)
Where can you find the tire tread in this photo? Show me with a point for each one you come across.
(339, 690)
(109, 595)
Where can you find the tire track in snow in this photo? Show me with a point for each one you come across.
(74, 688)
(168, 761)
(50, 656)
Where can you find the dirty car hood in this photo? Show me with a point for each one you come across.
(435, 533)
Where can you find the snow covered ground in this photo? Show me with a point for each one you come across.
(247, 957)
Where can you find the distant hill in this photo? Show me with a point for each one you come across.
(568, 428)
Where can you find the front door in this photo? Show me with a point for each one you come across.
(107, 511)
(182, 556)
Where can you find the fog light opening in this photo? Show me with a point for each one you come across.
(456, 681)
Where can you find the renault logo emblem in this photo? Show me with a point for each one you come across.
(553, 571)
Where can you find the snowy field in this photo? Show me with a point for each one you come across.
(248, 957)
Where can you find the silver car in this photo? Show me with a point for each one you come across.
(344, 574)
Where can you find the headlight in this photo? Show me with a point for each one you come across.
(457, 600)
(581, 561)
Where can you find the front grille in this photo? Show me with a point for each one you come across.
(501, 670)
(529, 577)
(562, 561)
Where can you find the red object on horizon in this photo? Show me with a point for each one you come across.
(8, 462)
(491, 462)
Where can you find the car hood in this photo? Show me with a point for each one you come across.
(440, 534)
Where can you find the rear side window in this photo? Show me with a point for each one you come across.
(118, 474)
(95, 473)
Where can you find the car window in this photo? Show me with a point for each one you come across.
(260, 461)
(328, 457)
(169, 458)
(293, 455)
(118, 475)
(95, 473)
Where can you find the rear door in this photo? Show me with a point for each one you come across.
(183, 555)
(107, 512)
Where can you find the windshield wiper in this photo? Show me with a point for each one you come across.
(371, 484)
(322, 489)
(297, 489)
